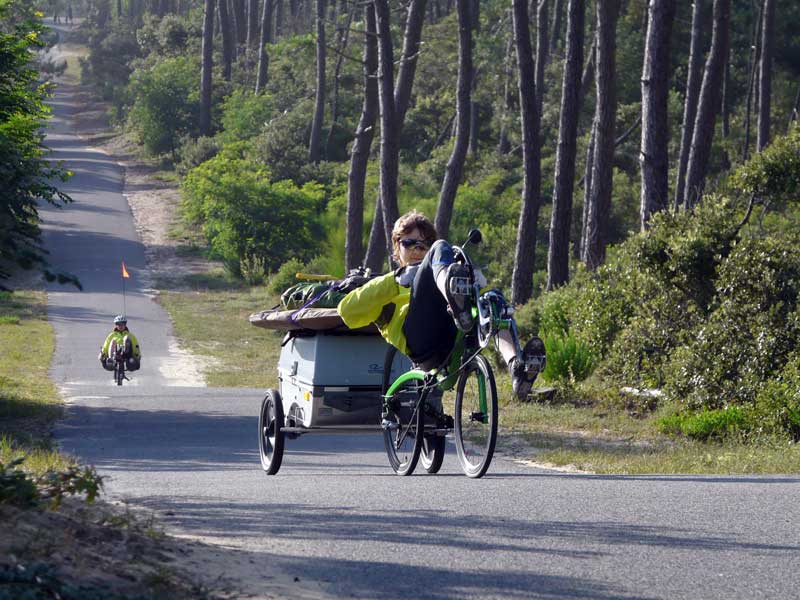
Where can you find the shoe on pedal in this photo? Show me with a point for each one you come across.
(524, 372)
(459, 295)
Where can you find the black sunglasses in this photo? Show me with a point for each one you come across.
(412, 243)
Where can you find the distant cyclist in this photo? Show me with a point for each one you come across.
(121, 337)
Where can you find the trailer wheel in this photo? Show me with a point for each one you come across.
(270, 436)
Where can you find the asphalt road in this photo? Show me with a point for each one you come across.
(335, 517)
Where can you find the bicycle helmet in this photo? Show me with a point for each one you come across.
(120, 319)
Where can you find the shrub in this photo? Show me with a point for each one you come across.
(283, 143)
(568, 359)
(706, 425)
(244, 115)
(750, 335)
(194, 152)
(285, 277)
(165, 103)
(777, 406)
(244, 214)
(773, 174)
(109, 63)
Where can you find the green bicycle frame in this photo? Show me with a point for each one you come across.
(448, 376)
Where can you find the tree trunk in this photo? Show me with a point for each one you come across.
(693, 80)
(359, 157)
(408, 62)
(555, 32)
(389, 142)
(587, 77)
(455, 165)
(587, 186)
(542, 48)
(315, 142)
(765, 74)
(709, 103)
(755, 53)
(605, 112)
(266, 38)
(525, 252)
(227, 39)
(207, 64)
(415, 19)
(561, 218)
(253, 21)
(795, 112)
(279, 17)
(475, 13)
(503, 143)
(344, 35)
(653, 158)
(240, 21)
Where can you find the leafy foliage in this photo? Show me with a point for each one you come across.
(244, 214)
(165, 104)
(26, 176)
(19, 488)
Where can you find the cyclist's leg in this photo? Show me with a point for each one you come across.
(524, 366)
(428, 327)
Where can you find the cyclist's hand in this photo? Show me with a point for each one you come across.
(350, 283)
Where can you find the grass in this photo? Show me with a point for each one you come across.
(683, 457)
(211, 319)
(29, 401)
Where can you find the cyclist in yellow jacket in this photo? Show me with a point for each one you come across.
(121, 337)
(416, 311)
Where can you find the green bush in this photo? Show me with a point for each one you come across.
(108, 65)
(748, 338)
(706, 425)
(166, 103)
(568, 359)
(528, 319)
(777, 406)
(773, 174)
(194, 152)
(286, 276)
(283, 143)
(245, 215)
(244, 115)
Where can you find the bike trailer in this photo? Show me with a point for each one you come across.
(331, 376)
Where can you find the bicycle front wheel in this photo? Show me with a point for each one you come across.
(476, 417)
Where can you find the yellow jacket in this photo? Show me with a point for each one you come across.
(119, 336)
(381, 301)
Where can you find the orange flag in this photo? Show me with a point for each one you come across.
(125, 271)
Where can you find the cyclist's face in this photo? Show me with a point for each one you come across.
(414, 253)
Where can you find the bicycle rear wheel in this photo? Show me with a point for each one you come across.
(476, 417)
(403, 424)
(270, 436)
(432, 452)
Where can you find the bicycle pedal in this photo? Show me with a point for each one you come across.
(477, 417)
(386, 424)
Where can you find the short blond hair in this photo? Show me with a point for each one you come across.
(409, 222)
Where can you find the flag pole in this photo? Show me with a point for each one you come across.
(125, 275)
